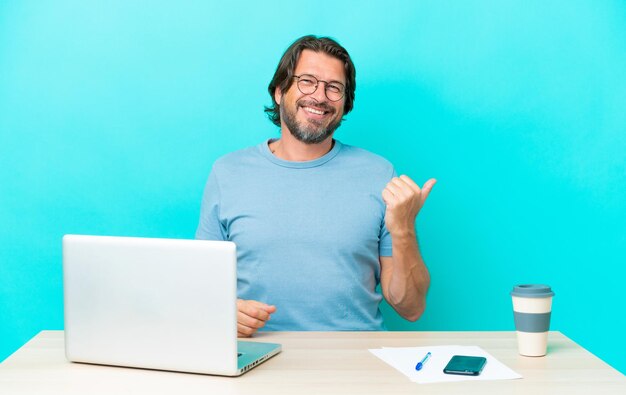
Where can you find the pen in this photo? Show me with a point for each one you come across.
(421, 363)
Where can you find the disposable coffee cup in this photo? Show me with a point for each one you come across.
(532, 307)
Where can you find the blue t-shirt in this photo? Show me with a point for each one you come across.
(308, 234)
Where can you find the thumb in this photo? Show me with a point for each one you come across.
(428, 186)
(268, 308)
(263, 306)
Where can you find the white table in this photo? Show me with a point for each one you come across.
(318, 363)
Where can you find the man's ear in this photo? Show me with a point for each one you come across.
(278, 94)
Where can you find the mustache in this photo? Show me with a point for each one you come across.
(321, 105)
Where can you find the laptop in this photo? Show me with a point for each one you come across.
(155, 303)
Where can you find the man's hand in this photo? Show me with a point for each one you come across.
(252, 315)
(404, 278)
(404, 199)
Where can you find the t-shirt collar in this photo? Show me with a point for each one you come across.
(265, 151)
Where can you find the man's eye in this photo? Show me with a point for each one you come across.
(307, 81)
(334, 88)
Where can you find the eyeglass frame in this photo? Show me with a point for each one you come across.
(343, 87)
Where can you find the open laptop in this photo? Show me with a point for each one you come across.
(155, 303)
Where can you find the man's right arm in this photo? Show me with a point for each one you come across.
(251, 316)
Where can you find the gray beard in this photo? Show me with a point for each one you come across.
(306, 134)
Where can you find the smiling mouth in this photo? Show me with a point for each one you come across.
(315, 111)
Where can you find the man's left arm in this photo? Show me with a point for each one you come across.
(404, 276)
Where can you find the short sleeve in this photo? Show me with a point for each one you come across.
(210, 227)
(384, 246)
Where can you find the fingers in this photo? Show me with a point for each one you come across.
(403, 188)
(395, 189)
(388, 197)
(410, 183)
(251, 316)
(248, 325)
(404, 185)
(244, 331)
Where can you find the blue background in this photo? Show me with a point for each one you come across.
(112, 113)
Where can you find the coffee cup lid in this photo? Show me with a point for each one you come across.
(532, 291)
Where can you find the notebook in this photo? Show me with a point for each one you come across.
(151, 303)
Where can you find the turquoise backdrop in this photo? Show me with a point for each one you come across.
(112, 113)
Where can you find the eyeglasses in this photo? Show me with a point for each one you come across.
(307, 84)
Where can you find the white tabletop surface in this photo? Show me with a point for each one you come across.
(318, 363)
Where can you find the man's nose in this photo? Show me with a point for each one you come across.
(320, 92)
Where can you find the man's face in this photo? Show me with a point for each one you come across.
(312, 118)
